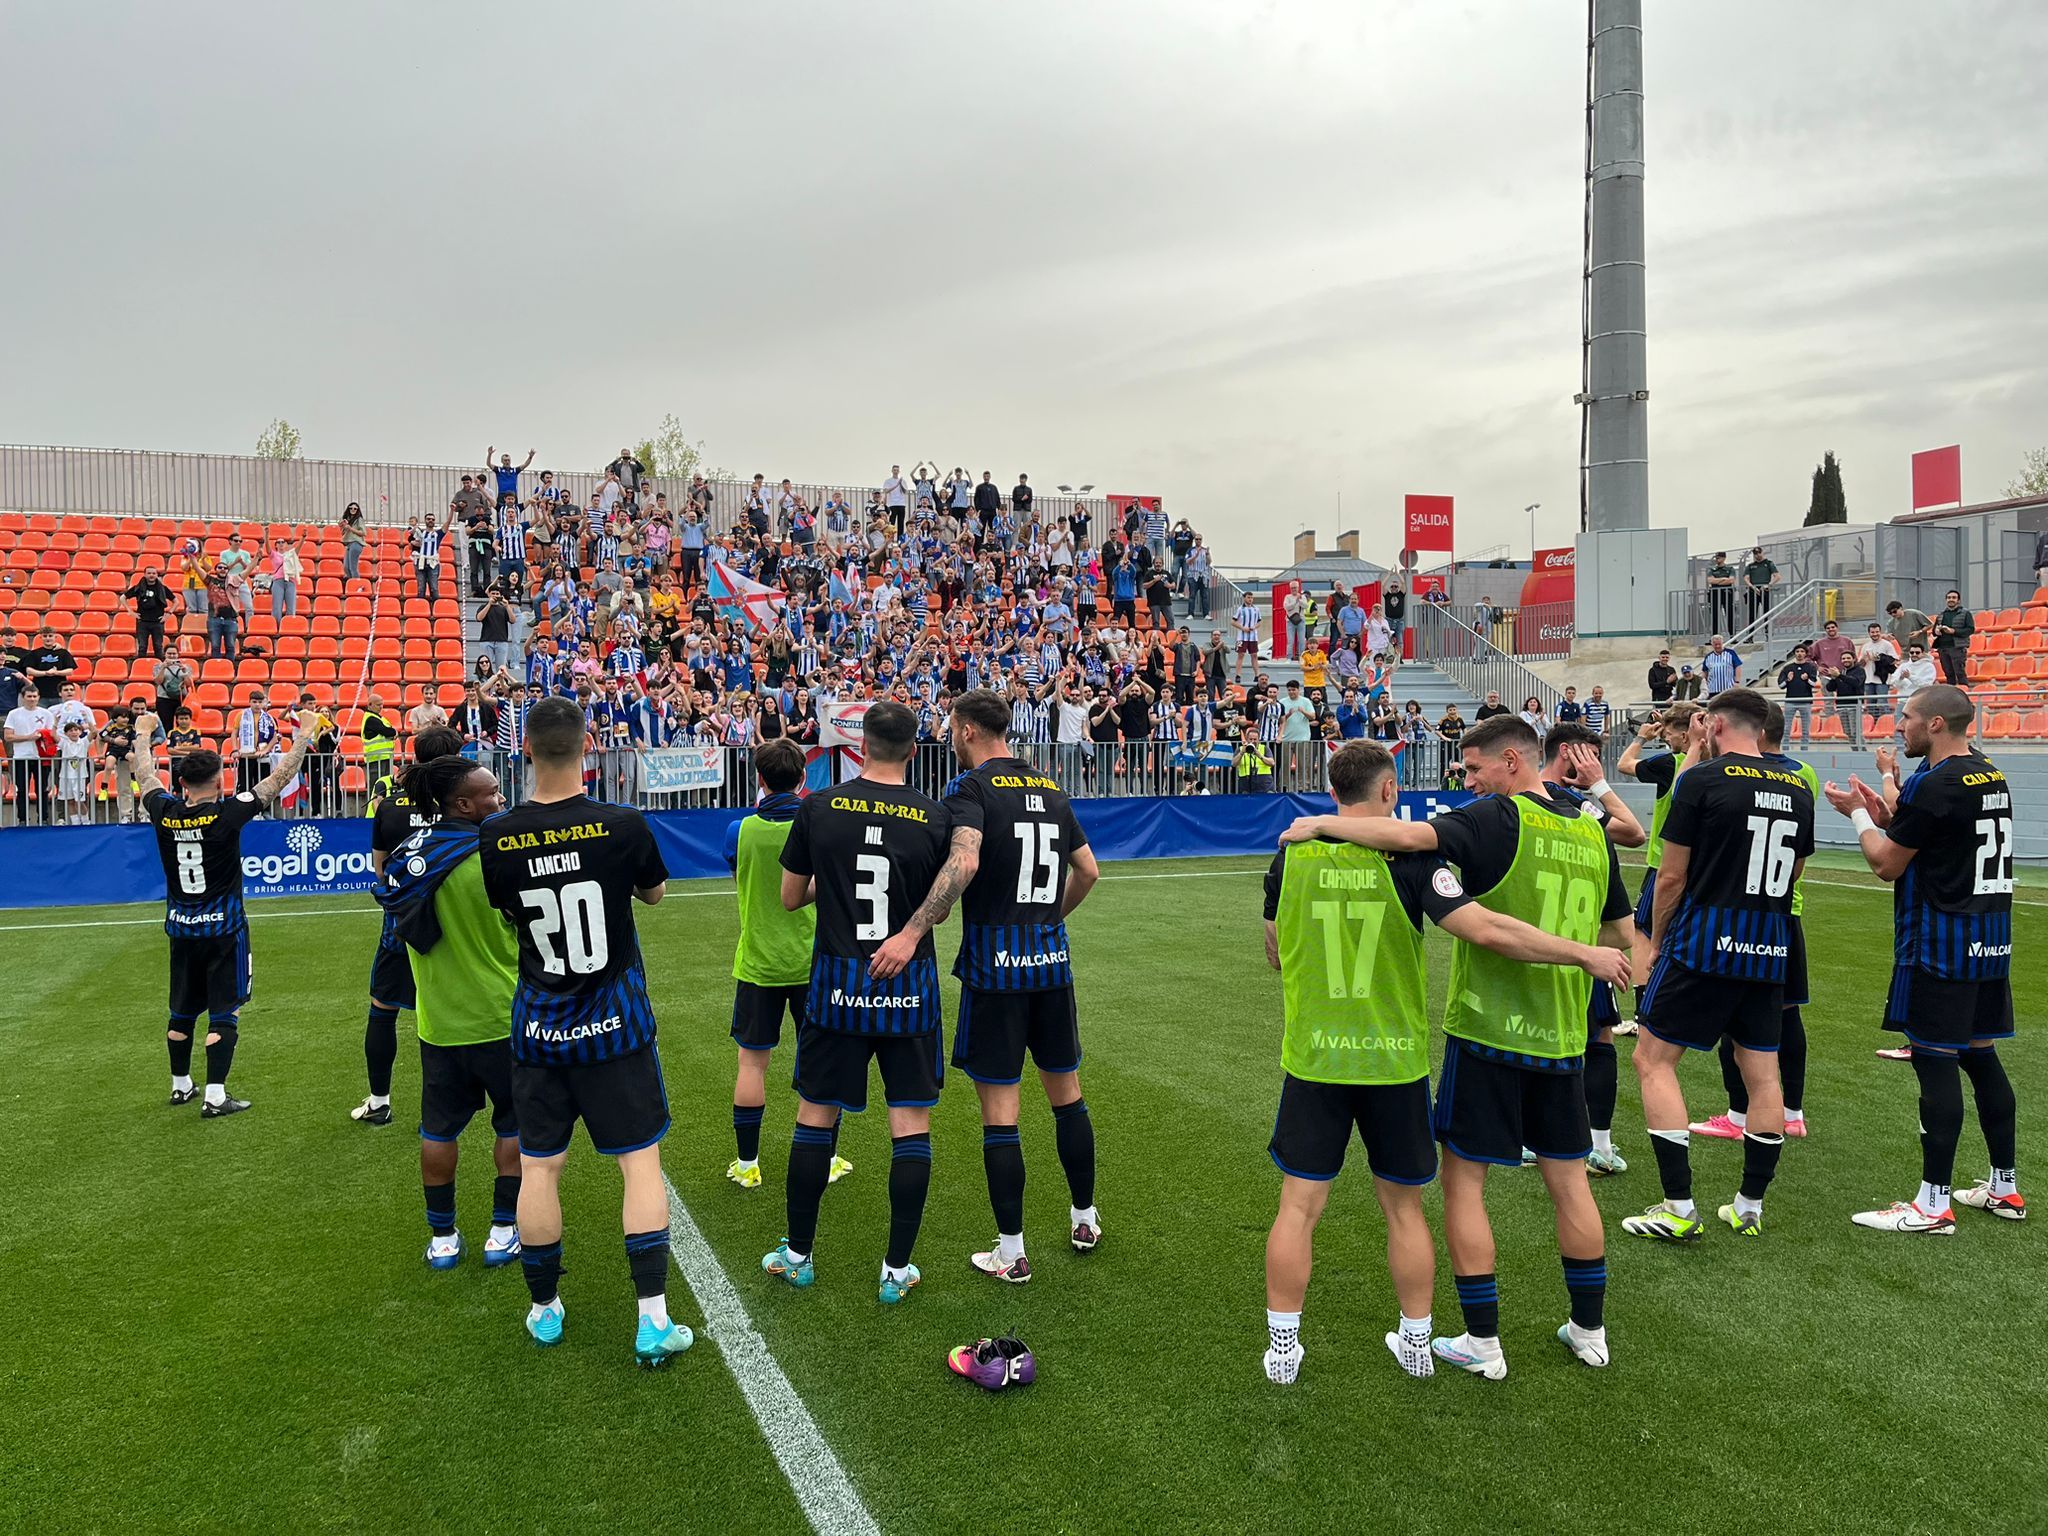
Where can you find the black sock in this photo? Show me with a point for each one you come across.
(1997, 1108)
(1731, 1079)
(1585, 1281)
(220, 1057)
(380, 1048)
(1479, 1300)
(1639, 1002)
(505, 1200)
(1941, 1115)
(181, 1050)
(440, 1208)
(810, 1164)
(1603, 1071)
(746, 1131)
(835, 1134)
(1759, 1163)
(1674, 1165)
(1002, 1156)
(1073, 1134)
(647, 1258)
(910, 1177)
(1792, 1058)
(542, 1264)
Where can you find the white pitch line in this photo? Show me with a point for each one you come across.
(823, 1491)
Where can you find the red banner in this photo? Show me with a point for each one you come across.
(1938, 477)
(1426, 523)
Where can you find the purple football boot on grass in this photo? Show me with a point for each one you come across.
(994, 1363)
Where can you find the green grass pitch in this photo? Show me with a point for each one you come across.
(229, 1325)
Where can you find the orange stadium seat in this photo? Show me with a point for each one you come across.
(2002, 723)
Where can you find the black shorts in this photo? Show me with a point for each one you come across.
(993, 1029)
(1646, 901)
(832, 1068)
(455, 1080)
(622, 1103)
(1313, 1129)
(1488, 1109)
(1695, 1009)
(391, 977)
(1933, 1010)
(210, 975)
(757, 1013)
(1795, 965)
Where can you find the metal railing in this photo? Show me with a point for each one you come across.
(1792, 614)
(1472, 660)
(52, 793)
(133, 482)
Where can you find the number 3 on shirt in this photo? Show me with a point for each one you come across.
(576, 915)
(872, 887)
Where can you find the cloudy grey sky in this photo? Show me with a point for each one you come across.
(1244, 255)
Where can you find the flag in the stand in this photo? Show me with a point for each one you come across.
(1219, 755)
(758, 607)
(293, 793)
(837, 590)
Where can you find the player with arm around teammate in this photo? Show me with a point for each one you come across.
(1572, 772)
(465, 964)
(199, 839)
(771, 964)
(394, 817)
(1514, 1052)
(866, 852)
(1344, 929)
(1737, 836)
(565, 871)
(1018, 862)
(1943, 838)
(1670, 734)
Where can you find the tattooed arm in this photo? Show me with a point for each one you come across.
(288, 765)
(963, 859)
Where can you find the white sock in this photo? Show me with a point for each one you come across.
(2005, 1181)
(1284, 1329)
(216, 1093)
(1933, 1198)
(1603, 1141)
(1744, 1206)
(1683, 1208)
(442, 1242)
(889, 1273)
(379, 1100)
(1009, 1246)
(181, 1085)
(1739, 1118)
(503, 1232)
(655, 1310)
(1076, 1216)
(794, 1256)
(1792, 1114)
(1415, 1330)
(533, 1312)
(749, 1162)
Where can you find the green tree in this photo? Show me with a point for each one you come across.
(2032, 480)
(279, 440)
(1829, 503)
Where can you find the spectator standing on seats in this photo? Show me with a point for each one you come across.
(192, 568)
(1154, 525)
(1720, 667)
(1913, 674)
(1953, 627)
(286, 571)
(255, 735)
(1721, 592)
(1394, 604)
(27, 728)
(353, 537)
(1798, 677)
(1758, 577)
(236, 565)
(1247, 621)
(1909, 627)
(494, 628)
(1833, 649)
(1662, 679)
(173, 681)
(150, 597)
(628, 469)
(424, 538)
(988, 500)
(503, 474)
(223, 636)
(425, 715)
(1291, 607)
(1598, 712)
(1379, 634)
(1848, 684)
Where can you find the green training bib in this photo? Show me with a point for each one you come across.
(1351, 969)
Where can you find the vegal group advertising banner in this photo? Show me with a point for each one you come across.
(106, 866)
